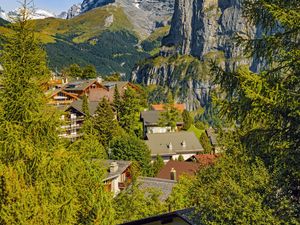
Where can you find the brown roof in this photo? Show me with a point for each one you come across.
(160, 107)
(188, 168)
(205, 159)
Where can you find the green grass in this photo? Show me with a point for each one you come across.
(197, 131)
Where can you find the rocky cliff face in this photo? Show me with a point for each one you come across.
(204, 29)
(75, 10)
(200, 27)
(145, 15)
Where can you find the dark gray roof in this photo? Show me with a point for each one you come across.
(163, 185)
(78, 106)
(79, 85)
(112, 84)
(160, 143)
(122, 166)
(152, 117)
(211, 133)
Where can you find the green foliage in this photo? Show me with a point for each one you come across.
(169, 117)
(129, 147)
(85, 106)
(105, 122)
(137, 203)
(113, 77)
(157, 165)
(266, 104)
(129, 112)
(119, 55)
(180, 158)
(187, 119)
(205, 142)
(89, 72)
(118, 102)
(41, 182)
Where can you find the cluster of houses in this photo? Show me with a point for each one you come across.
(162, 141)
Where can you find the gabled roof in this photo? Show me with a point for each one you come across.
(182, 168)
(62, 91)
(205, 159)
(211, 133)
(80, 85)
(152, 117)
(182, 142)
(78, 106)
(122, 167)
(182, 217)
(160, 107)
(165, 186)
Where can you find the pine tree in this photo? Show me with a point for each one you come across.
(85, 106)
(187, 119)
(117, 102)
(41, 182)
(157, 165)
(129, 113)
(105, 122)
(170, 116)
(89, 72)
(130, 147)
(205, 142)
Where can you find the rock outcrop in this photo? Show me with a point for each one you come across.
(201, 27)
(204, 29)
(145, 15)
(75, 10)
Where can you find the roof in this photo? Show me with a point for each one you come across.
(79, 85)
(183, 217)
(181, 142)
(187, 168)
(78, 106)
(205, 159)
(62, 91)
(152, 117)
(108, 90)
(122, 167)
(211, 133)
(163, 185)
(160, 107)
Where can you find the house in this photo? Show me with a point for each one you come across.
(118, 175)
(181, 217)
(172, 145)
(108, 90)
(61, 97)
(204, 159)
(212, 135)
(82, 87)
(161, 107)
(150, 120)
(174, 169)
(164, 186)
(73, 118)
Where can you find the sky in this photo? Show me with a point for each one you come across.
(55, 6)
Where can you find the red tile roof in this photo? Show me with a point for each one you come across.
(188, 168)
(205, 159)
(160, 107)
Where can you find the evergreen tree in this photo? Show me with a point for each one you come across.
(85, 106)
(130, 147)
(41, 182)
(105, 122)
(205, 142)
(180, 158)
(89, 72)
(118, 103)
(137, 203)
(157, 165)
(74, 70)
(187, 119)
(266, 104)
(130, 110)
(169, 117)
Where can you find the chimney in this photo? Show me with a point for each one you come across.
(173, 174)
(113, 167)
(170, 146)
(183, 143)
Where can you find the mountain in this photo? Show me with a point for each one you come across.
(201, 30)
(36, 14)
(75, 10)
(145, 15)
